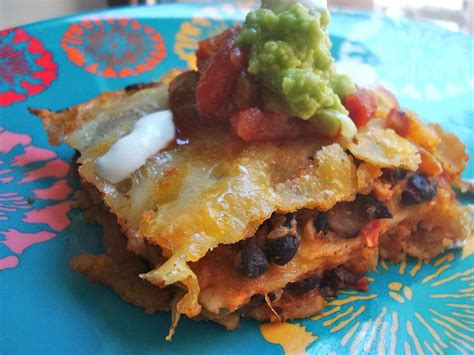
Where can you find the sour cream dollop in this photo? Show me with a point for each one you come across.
(150, 134)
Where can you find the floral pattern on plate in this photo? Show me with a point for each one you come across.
(26, 67)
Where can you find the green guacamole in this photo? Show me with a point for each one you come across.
(290, 54)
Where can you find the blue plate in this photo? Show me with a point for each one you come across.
(45, 307)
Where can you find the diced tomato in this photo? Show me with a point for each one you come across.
(371, 232)
(208, 47)
(399, 122)
(217, 80)
(254, 125)
(362, 284)
(362, 106)
(239, 57)
(202, 56)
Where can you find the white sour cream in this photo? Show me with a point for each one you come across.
(150, 134)
(282, 5)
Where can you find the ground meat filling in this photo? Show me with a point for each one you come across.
(346, 219)
(326, 286)
(329, 283)
(277, 240)
(302, 287)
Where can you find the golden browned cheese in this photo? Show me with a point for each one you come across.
(384, 148)
(190, 198)
(130, 102)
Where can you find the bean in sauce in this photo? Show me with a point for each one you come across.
(252, 261)
(418, 190)
(282, 248)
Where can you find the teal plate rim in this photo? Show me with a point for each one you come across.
(45, 307)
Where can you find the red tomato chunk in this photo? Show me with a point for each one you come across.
(399, 122)
(362, 106)
(218, 76)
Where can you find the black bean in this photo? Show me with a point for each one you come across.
(418, 189)
(321, 222)
(394, 175)
(281, 250)
(304, 286)
(252, 261)
(375, 209)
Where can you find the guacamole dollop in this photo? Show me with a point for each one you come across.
(290, 54)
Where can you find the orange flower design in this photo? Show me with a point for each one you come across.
(114, 48)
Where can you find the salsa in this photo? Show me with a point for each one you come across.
(289, 51)
(272, 79)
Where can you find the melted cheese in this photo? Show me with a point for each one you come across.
(188, 199)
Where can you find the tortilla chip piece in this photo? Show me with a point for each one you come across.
(384, 148)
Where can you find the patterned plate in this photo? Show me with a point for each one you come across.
(45, 307)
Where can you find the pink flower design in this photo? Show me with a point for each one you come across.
(30, 176)
(26, 67)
